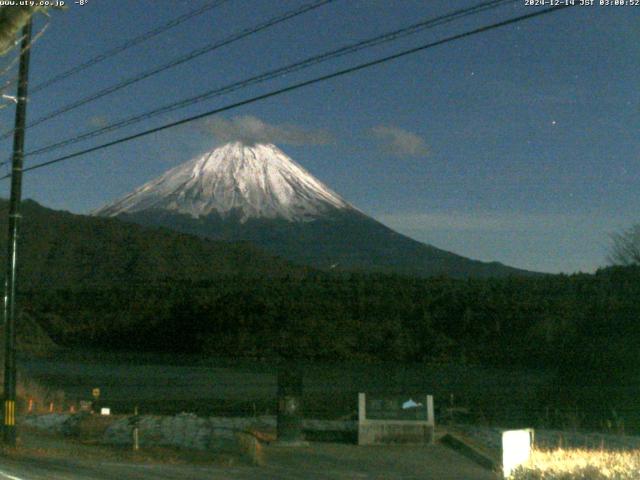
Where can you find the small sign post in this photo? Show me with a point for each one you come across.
(289, 423)
(95, 393)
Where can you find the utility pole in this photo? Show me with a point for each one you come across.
(9, 431)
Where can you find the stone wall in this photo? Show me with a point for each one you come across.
(185, 430)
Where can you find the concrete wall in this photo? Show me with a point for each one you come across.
(375, 432)
(185, 430)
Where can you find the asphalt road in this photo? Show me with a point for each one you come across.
(316, 462)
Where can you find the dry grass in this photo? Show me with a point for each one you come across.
(251, 448)
(576, 464)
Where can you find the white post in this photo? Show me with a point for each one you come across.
(362, 407)
(136, 441)
(431, 418)
(430, 413)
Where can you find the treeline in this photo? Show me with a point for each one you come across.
(582, 328)
(535, 322)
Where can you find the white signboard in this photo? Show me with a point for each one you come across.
(516, 449)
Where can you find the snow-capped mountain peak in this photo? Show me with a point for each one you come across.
(254, 181)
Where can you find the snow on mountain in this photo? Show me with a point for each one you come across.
(234, 192)
(256, 181)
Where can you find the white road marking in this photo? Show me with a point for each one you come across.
(10, 477)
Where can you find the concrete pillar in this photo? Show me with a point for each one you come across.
(290, 406)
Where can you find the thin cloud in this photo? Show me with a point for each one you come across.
(399, 142)
(546, 242)
(478, 221)
(251, 130)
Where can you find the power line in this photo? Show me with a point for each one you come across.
(14, 62)
(303, 64)
(297, 86)
(129, 44)
(178, 61)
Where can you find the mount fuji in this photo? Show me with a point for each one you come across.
(248, 182)
(256, 193)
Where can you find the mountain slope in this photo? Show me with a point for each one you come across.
(256, 193)
(59, 249)
(340, 240)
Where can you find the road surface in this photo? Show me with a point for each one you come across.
(319, 461)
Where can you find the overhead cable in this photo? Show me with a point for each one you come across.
(299, 85)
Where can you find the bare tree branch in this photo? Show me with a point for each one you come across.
(625, 248)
